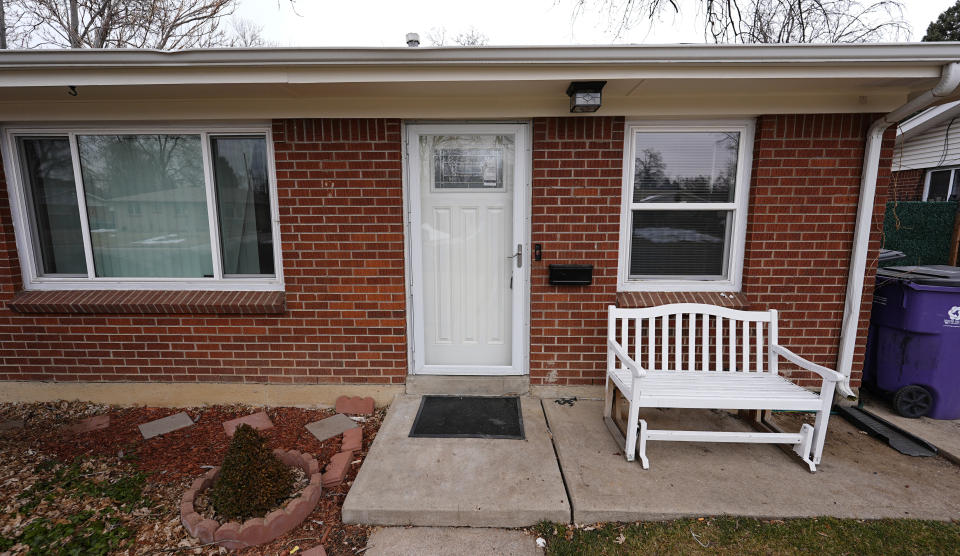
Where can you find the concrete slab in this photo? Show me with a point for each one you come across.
(259, 421)
(945, 435)
(331, 426)
(442, 541)
(165, 425)
(859, 477)
(474, 482)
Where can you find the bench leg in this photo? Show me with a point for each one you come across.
(642, 445)
(803, 448)
(608, 397)
(820, 425)
(634, 415)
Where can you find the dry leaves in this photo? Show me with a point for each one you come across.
(170, 463)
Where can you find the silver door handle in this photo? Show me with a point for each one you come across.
(518, 255)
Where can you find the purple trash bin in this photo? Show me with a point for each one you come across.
(913, 349)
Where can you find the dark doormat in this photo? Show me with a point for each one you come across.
(468, 417)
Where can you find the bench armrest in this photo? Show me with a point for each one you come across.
(636, 370)
(824, 372)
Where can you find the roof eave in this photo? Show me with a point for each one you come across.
(688, 54)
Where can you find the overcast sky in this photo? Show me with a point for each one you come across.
(505, 22)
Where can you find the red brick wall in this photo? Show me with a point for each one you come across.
(907, 185)
(803, 203)
(577, 169)
(339, 184)
(340, 201)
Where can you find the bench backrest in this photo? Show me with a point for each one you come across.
(696, 337)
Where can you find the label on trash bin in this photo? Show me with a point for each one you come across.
(953, 320)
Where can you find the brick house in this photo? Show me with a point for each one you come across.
(287, 225)
(926, 156)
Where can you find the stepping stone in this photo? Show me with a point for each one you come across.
(355, 405)
(315, 551)
(13, 424)
(259, 421)
(331, 426)
(165, 425)
(94, 423)
(352, 440)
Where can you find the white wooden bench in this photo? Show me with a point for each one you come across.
(690, 355)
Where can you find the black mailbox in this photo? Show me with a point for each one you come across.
(571, 274)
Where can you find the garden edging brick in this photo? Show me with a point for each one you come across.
(255, 531)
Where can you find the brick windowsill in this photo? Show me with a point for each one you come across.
(733, 300)
(148, 302)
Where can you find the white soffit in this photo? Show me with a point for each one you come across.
(467, 82)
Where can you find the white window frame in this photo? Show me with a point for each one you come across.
(22, 220)
(738, 209)
(929, 173)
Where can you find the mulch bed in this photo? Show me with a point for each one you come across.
(173, 460)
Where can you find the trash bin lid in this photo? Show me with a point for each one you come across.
(928, 275)
(887, 255)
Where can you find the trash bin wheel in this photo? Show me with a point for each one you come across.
(912, 401)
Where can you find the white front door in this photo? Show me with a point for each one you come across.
(467, 198)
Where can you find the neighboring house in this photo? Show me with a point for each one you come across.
(927, 156)
(287, 225)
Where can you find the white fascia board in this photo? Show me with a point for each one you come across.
(291, 65)
(195, 75)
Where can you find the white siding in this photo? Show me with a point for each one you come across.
(927, 149)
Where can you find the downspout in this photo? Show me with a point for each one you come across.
(949, 81)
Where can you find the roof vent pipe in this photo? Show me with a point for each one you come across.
(413, 40)
(949, 81)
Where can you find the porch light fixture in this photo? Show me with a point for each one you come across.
(585, 95)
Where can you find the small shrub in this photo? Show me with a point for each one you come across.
(252, 481)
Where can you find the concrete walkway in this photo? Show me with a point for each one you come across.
(945, 435)
(514, 483)
(859, 477)
(473, 482)
(443, 541)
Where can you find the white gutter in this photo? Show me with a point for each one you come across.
(902, 54)
(949, 81)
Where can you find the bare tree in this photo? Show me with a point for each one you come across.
(160, 24)
(471, 37)
(768, 21)
(247, 34)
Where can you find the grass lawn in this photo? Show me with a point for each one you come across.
(732, 535)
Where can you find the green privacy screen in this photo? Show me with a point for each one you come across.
(920, 229)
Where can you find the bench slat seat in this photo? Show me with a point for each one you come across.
(708, 357)
(683, 389)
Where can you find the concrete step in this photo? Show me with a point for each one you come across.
(458, 482)
(443, 385)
